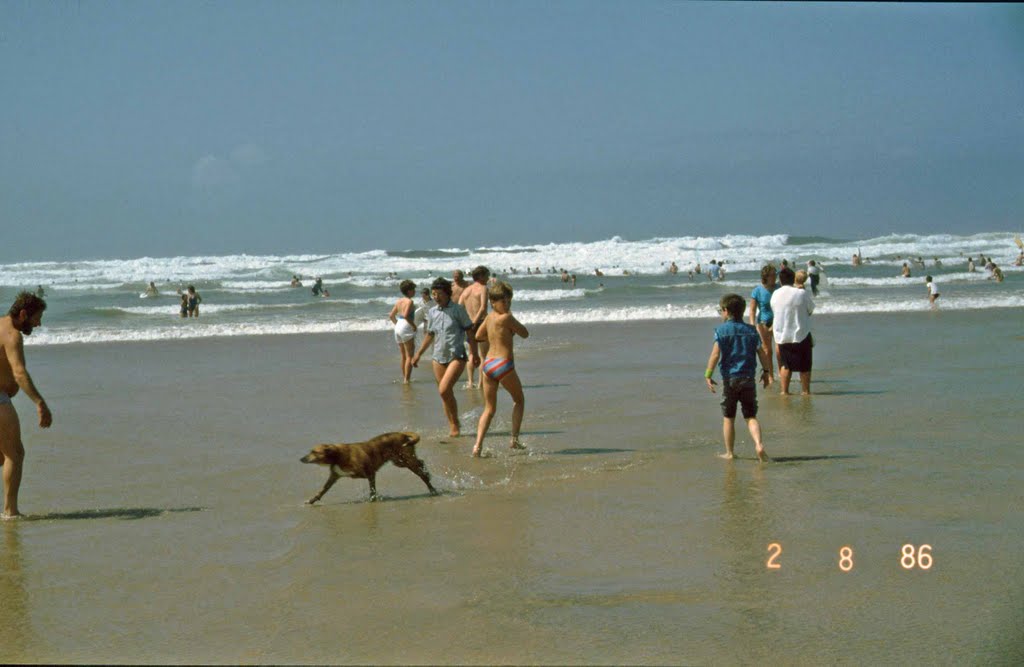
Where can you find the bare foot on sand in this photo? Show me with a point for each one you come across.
(728, 456)
(516, 444)
(762, 456)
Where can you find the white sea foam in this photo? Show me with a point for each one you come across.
(621, 314)
(189, 330)
(386, 300)
(256, 285)
(548, 294)
(81, 290)
(920, 303)
(647, 257)
(671, 311)
(373, 281)
(916, 280)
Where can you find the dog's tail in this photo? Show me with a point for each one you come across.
(411, 438)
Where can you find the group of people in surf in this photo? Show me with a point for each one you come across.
(189, 299)
(318, 288)
(463, 333)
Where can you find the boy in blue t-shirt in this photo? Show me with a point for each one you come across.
(737, 346)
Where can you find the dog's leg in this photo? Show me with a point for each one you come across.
(417, 466)
(372, 479)
(334, 477)
(425, 476)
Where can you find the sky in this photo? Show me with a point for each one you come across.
(168, 128)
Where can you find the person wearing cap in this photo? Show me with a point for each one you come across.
(447, 324)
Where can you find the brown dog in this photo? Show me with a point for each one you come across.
(362, 460)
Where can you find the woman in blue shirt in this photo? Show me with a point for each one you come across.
(447, 323)
(761, 315)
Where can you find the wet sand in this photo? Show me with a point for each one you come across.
(167, 521)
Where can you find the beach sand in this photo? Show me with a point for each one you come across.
(166, 518)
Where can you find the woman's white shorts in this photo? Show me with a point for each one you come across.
(404, 332)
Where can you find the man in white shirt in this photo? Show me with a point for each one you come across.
(792, 308)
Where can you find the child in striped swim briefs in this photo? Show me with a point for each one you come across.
(497, 368)
(499, 329)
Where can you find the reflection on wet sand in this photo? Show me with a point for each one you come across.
(15, 620)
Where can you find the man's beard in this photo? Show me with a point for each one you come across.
(26, 328)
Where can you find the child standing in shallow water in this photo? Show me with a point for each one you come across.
(738, 346)
(498, 329)
(933, 290)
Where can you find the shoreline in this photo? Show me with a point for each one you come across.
(384, 330)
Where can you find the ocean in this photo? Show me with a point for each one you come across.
(96, 301)
(165, 506)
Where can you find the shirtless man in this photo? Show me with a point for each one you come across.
(458, 284)
(474, 300)
(499, 328)
(25, 315)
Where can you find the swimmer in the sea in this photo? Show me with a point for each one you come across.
(193, 300)
(499, 329)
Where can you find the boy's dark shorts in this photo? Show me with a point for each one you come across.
(797, 357)
(743, 391)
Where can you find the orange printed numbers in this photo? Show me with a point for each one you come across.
(846, 559)
(920, 557)
(775, 549)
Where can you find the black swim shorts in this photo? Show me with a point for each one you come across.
(742, 391)
(797, 357)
